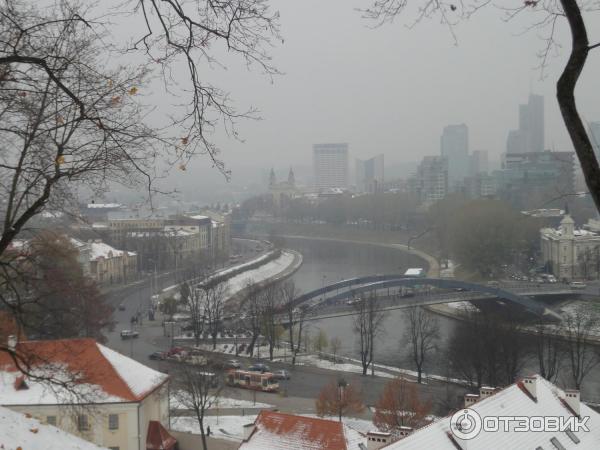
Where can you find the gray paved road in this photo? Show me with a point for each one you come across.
(306, 381)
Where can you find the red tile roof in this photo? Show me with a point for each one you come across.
(82, 357)
(277, 430)
(158, 438)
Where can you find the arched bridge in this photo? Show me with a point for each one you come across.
(516, 294)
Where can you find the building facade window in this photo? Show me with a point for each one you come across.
(83, 423)
(113, 421)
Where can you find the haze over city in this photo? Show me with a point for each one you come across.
(392, 89)
(266, 225)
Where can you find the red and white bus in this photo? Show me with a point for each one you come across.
(252, 380)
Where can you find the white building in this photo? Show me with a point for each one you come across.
(106, 264)
(110, 399)
(330, 165)
(570, 253)
(532, 397)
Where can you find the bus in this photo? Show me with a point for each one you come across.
(265, 382)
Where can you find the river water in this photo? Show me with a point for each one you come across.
(327, 261)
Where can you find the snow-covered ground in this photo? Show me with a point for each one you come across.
(462, 306)
(314, 360)
(262, 273)
(231, 427)
(221, 427)
(237, 283)
(229, 349)
(221, 403)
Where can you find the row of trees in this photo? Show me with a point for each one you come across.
(483, 235)
(74, 117)
(492, 347)
(373, 211)
(399, 405)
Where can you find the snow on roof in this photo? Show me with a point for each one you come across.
(511, 401)
(199, 217)
(103, 205)
(140, 379)
(279, 431)
(102, 250)
(94, 374)
(19, 431)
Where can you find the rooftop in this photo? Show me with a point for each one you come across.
(515, 400)
(93, 373)
(18, 431)
(279, 431)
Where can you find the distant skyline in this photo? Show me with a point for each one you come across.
(391, 90)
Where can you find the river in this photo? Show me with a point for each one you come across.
(328, 261)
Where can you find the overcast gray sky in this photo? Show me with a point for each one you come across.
(392, 89)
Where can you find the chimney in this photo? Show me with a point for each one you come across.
(12, 342)
(470, 400)
(572, 400)
(404, 431)
(378, 439)
(530, 384)
(248, 430)
(486, 391)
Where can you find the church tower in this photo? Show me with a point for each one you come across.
(272, 179)
(291, 178)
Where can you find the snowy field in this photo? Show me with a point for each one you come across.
(222, 403)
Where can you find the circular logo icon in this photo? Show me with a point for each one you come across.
(466, 424)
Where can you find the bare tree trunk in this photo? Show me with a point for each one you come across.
(422, 333)
(565, 94)
(299, 342)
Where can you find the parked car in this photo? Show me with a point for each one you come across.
(578, 285)
(259, 367)
(129, 334)
(174, 351)
(233, 364)
(159, 356)
(281, 374)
